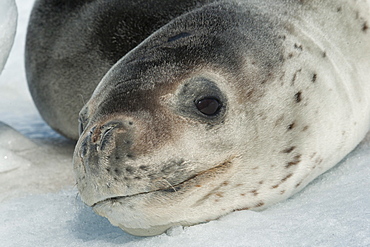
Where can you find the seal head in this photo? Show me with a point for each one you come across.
(166, 126)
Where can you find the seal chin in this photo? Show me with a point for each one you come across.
(180, 187)
(143, 214)
(145, 231)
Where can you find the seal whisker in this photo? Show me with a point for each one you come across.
(172, 187)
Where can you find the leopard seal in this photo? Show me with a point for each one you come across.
(229, 105)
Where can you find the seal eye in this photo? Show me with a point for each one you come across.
(208, 106)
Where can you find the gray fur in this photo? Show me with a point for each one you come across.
(65, 60)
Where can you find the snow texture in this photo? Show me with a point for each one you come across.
(40, 206)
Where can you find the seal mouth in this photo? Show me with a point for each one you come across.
(222, 168)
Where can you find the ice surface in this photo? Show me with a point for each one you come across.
(331, 211)
(27, 167)
(8, 24)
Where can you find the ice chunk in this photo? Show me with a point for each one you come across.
(27, 167)
(8, 24)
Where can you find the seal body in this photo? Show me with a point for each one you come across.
(231, 105)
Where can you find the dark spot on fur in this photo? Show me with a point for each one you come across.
(294, 162)
(249, 93)
(295, 76)
(225, 183)
(288, 176)
(282, 192)
(144, 168)
(130, 169)
(261, 182)
(254, 192)
(107, 169)
(318, 160)
(117, 171)
(283, 37)
(219, 194)
(260, 204)
(305, 128)
(282, 181)
(242, 194)
(178, 36)
(298, 47)
(298, 97)
(339, 9)
(198, 185)
(365, 27)
(291, 126)
(324, 54)
(130, 123)
(290, 55)
(117, 157)
(241, 209)
(314, 78)
(115, 179)
(288, 150)
(297, 185)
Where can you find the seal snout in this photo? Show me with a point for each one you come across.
(112, 135)
(106, 144)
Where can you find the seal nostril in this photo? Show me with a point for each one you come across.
(83, 149)
(104, 134)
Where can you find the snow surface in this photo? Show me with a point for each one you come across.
(40, 206)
